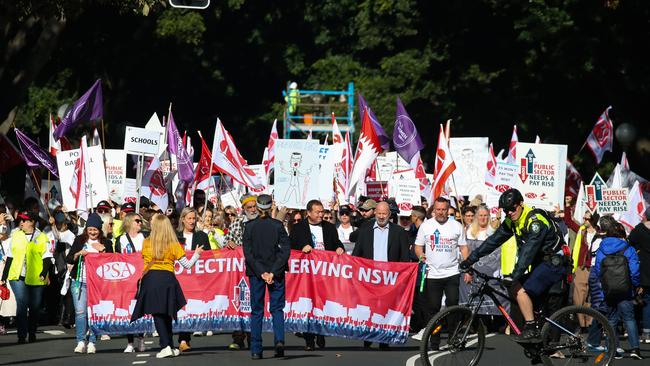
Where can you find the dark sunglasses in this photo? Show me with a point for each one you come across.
(327, 217)
(138, 221)
(101, 210)
(296, 221)
(110, 224)
(346, 213)
(231, 214)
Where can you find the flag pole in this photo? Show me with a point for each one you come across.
(453, 180)
(210, 169)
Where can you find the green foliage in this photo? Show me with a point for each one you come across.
(183, 26)
(33, 116)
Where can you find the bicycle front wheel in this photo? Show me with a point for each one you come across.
(453, 337)
(564, 343)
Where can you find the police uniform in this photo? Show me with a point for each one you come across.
(539, 246)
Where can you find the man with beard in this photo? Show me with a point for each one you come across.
(382, 241)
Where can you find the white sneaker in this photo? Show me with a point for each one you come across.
(81, 347)
(139, 343)
(165, 352)
(129, 348)
(197, 334)
(154, 334)
(209, 333)
(418, 335)
(105, 337)
(176, 352)
(91, 348)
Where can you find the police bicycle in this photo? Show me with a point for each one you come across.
(456, 335)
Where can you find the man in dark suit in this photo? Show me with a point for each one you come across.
(382, 241)
(314, 233)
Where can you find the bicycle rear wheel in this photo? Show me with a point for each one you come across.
(564, 344)
(452, 337)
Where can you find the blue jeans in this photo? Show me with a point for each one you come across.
(276, 307)
(625, 310)
(27, 297)
(81, 312)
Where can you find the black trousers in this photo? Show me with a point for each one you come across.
(163, 323)
(435, 288)
(419, 318)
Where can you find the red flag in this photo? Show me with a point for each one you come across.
(491, 172)
(270, 157)
(55, 145)
(9, 155)
(601, 137)
(203, 172)
(573, 179)
(78, 183)
(368, 148)
(228, 159)
(512, 149)
(444, 166)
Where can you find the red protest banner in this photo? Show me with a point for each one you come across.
(329, 294)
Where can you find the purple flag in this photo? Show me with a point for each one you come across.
(34, 156)
(405, 136)
(384, 140)
(176, 147)
(87, 108)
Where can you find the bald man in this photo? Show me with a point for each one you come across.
(382, 241)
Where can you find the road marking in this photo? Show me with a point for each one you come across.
(54, 332)
(412, 359)
(139, 362)
(143, 355)
(148, 342)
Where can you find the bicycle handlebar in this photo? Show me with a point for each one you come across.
(482, 275)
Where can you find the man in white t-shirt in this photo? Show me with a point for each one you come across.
(437, 243)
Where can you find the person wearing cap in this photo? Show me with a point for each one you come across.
(540, 246)
(126, 208)
(383, 241)
(190, 239)
(233, 239)
(345, 228)
(314, 233)
(367, 210)
(91, 240)
(266, 249)
(28, 260)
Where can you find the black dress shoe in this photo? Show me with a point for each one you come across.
(22, 340)
(32, 338)
(310, 347)
(279, 350)
(366, 344)
(383, 347)
(320, 341)
(256, 356)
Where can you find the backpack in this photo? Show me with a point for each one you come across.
(615, 277)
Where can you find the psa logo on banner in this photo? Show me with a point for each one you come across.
(115, 271)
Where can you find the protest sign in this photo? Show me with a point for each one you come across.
(96, 186)
(51, 193)
(377, 190)
(505, 178)
(296, 172)
(142, 141)
(407, 194)
(154, 125)
(388, 164)
(542, 172)
(327, 294)
(115, 173)
(130, 193)
(328, 155)
(470, 155)
(614, 201)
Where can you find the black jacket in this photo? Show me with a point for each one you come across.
(77, 246)
(640, 239)
(199, 238)
(301, 236)
(266, 247)
(398, 243)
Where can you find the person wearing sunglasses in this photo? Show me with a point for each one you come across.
(131, 242)
(345, 228)
(539, 246)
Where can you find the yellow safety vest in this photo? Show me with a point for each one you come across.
(576, 247)
(21, 249)
(508, 256)
(292, 100)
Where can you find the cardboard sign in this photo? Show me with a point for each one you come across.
(51, 193)
(328, 155)
(142, 141)
(296, 172)
(115, 173)
(96, 187)
(388, 164)
(506, 178)
(542, 173)
(470, 155)
(407, 195)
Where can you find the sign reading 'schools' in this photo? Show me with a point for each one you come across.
(141, 141)
(542, 171)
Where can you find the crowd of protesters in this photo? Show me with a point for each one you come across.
(42, 259)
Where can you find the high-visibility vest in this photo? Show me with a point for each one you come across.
(293, 99)
(22, 248)
(508, 256)
(576, 247)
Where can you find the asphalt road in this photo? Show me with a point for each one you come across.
(55, 344)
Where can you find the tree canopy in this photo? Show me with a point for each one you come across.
(550, 66)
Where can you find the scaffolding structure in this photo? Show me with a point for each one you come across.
(311, 110)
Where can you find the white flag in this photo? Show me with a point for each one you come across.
(153, 184)
(636, 209)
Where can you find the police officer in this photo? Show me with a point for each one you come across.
(539, 244)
